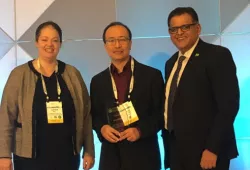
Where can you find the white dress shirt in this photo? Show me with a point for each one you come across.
(184, 63)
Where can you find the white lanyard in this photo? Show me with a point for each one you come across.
(43, 82)
(131, 86)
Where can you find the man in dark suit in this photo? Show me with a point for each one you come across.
(131, 146)
(202, 99)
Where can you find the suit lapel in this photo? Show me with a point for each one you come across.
(138, 74)
(169, 66)
(194, 58)
(196, 53)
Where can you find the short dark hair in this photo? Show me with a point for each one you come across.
(46, 24)
(183, 10)
(116, 23)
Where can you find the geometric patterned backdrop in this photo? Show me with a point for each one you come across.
(224, 22)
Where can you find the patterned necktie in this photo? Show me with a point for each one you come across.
(172, 90)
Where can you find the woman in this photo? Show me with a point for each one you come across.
(45, 111)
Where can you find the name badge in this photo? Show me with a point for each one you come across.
(127, 113)
(54, 112)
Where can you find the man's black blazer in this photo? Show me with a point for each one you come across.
(206, 101)
(148, 100)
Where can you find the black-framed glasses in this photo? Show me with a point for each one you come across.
(184, 28)
(121, 40)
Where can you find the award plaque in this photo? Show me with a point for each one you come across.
(115, 120)
(120, 117)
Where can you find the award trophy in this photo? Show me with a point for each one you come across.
(115, 120)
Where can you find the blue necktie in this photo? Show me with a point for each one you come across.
(172, 90)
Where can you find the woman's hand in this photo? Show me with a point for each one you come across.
(88, 162)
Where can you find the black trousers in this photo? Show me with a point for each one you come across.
(125, 156)
(188, 160)
(21, 163)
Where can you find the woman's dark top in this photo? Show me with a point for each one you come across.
(53, 143)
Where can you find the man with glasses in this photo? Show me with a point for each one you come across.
(202, 99)
(127, 103)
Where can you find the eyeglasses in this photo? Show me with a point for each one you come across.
(121, 40)
(184, 28)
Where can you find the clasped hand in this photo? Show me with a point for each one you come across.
(110, 134)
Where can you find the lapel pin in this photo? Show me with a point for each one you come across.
(197, 55)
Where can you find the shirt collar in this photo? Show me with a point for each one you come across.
(127, 66)
(188, 53)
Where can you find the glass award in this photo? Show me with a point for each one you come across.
(115, 120)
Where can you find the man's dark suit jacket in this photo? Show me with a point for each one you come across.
(206, 102)
(148, 100)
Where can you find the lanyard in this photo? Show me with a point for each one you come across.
(43, 82)
(131, 86)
